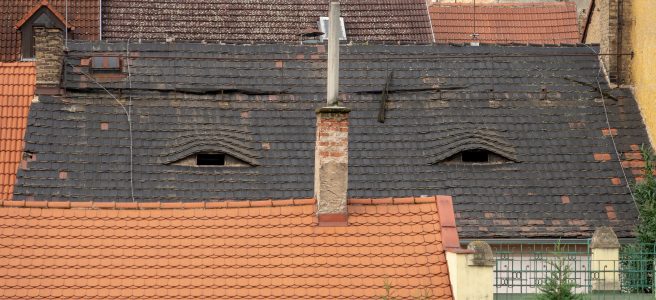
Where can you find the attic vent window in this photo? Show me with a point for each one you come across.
(475, 156)
(105, 64)
(324, 26)
(210, 159)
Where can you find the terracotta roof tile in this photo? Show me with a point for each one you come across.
(17, 82)
(256, 252)
(262, 20)
(542, 23)
(82, 14)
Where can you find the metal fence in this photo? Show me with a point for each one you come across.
(526, 271)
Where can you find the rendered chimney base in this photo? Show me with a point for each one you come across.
(331, 165)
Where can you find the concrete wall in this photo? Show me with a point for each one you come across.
(644, 62)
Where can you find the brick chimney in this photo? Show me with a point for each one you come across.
(331, 148)
(49, 53)
(615, 24)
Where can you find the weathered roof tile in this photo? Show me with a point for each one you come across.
(261, 20)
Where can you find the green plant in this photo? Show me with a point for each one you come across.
(558, 285)
(637, 260)
(389, 294)
(645, 196)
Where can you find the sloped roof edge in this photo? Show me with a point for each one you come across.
(43, 4)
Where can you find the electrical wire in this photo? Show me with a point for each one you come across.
(612, 138)
(127, 114)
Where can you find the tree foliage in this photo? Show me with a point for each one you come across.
(558, 285)
(645, 196)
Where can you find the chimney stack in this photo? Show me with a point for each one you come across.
(331, 148)
(333, 53)
(49, 53)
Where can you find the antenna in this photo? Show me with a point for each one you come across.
(474, 35)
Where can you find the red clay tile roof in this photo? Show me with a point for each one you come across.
(82, 14)
(262, 20)
(262, 251)
(17, 82)
(542, 23)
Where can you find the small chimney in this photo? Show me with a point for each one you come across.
(49, 54)
(331, 148)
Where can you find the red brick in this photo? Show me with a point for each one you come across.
(635, 147)
(616, 181)
(602, 156)
(607, 132)
(633, 156)
(633, 164)
(564, 199)
(610, 212)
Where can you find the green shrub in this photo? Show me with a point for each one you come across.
(558, 285)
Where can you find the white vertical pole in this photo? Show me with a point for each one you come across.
(333, 54)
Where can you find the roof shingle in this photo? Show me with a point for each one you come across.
(262, 20)
(260, 252)
(540, 23)
(17, 82)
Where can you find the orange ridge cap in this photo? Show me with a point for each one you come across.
(221, 204)
(36, 8)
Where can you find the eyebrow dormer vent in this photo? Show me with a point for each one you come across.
(473, 147)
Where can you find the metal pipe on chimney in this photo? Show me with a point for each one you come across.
(333, 54)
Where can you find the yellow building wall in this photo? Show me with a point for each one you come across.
(643, 36)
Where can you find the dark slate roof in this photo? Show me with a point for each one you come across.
(536, 106)
(262, 20)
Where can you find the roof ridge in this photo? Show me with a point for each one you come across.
(211, 204)
(505, 5)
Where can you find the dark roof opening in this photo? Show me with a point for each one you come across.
(210, 159)
(475, 156)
